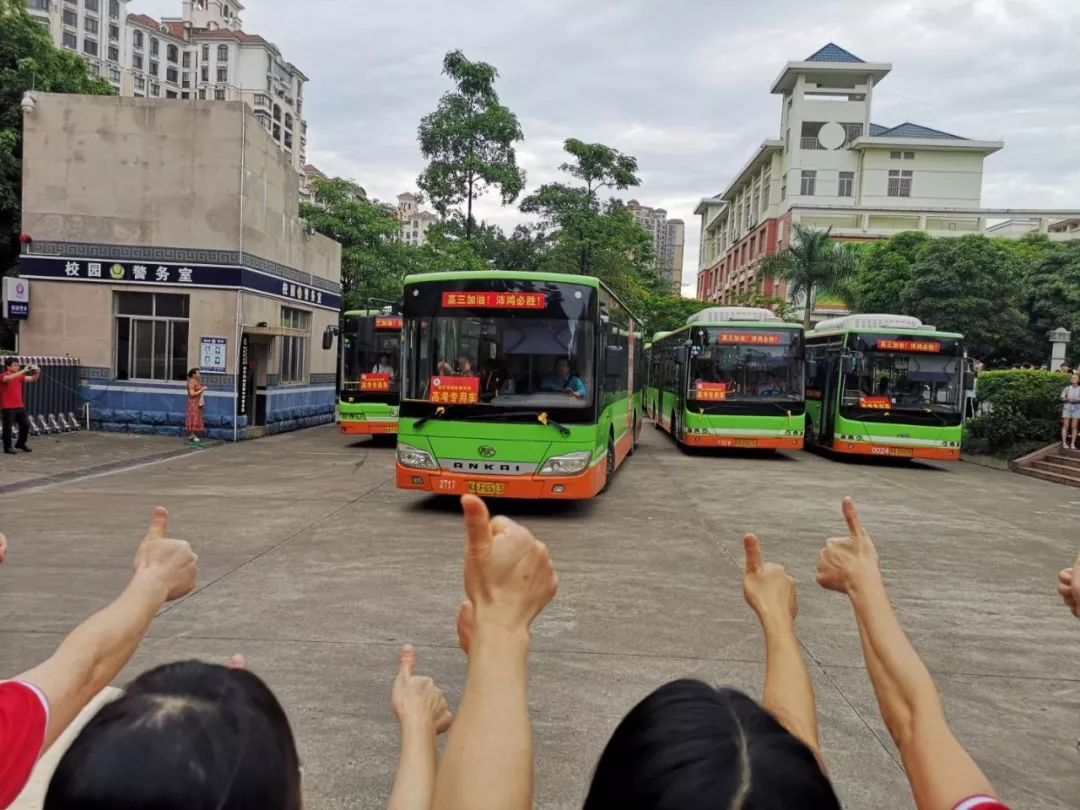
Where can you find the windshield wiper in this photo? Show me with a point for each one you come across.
(438, 412)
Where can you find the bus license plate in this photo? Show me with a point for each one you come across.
(905, 452)
(746, 442)
(485, 488)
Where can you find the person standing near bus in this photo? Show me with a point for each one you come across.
(12, 403)
(1070, 412)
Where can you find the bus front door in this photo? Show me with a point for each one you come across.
(829, 399)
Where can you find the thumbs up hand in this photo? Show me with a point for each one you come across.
(509, 578)
(846, 561)
(416, 699)
(171, 564)
(1069, 587)
(766, 586)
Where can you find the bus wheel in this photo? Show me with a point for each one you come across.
(675, 427)
(610, 463)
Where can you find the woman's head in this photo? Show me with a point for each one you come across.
(189, 736)
(384, 359)
(1075, 379)
(688, 745)
(193, 374)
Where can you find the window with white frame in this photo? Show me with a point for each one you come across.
(294, 348)
(91, 5)
(809, 183)
(846, 186)
(70, 17)
(172, 53)
(219, 94)
(909, 155)
(151, 336)
(89, 46)
(895, 155)
(90, 25)
(114, 32)
(137, 61)
(222, 75)
(137, 39)
(114, 9)
(206, 53)
(154, 47)
(223, 53)
(899, 183)
(70, 40)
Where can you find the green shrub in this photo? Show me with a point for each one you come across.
(1023, 412)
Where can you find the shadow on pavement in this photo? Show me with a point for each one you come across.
(384, 442)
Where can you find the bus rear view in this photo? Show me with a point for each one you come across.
(885, 385)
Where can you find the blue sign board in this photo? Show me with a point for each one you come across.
(175, 275)
(18, 310)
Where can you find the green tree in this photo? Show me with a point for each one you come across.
(886, 270)
(469, 141)
(600, 166)
(1051, 298)
(779, 306)
(971, 285)
(28, 61)
(374, 260)
(665, 313)
(811, 265)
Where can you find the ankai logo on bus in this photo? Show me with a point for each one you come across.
(494, 300)
(930, 346)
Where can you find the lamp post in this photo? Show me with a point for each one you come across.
(1059, 339)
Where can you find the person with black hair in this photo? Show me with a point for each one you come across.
(690, 745)
(186, 735)
(12, 405)
(196, 405)
(36, 706)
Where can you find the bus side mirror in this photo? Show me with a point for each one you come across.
(680, 355)
(328, 338)
(851, 363)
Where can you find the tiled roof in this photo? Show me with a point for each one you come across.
(177, 29)
(832, 53)
(313, 171)
(877, 129)
(142, 19)
(909, 130)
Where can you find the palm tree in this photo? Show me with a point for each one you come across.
(813, 263)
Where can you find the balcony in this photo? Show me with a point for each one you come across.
(810, 143)
(262, 101)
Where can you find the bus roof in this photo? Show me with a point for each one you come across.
(362, 313)
(768, 325)
(505, 275)
(878, 323)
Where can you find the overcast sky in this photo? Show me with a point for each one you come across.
(681, 85)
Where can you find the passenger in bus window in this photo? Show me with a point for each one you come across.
(383, 366)
(464, 367)
(563, 380)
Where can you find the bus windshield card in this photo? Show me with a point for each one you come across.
(494, 300)
(388, 323)
(752, 339)
(455, 390)
(930, 346)
(710, 392)
(374, 382)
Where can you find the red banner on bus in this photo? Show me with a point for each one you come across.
(388, 323)
(494, 300)
(455, 390)
(374, 382)
(875, 403)
(710, 392)
(733, 339)
(930, 346)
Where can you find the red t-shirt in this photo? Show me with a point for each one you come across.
(11, 392)
(980, 803)
(24, 716)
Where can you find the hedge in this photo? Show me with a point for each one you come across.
(1020, 411)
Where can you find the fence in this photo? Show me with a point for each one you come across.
(53, 403)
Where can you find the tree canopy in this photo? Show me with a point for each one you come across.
(469, 142)
(813, 263)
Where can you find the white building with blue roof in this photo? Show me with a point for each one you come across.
(834, 167)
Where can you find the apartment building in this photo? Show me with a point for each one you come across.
(414, 221)
(308, 178)
(833, 167)
(668, 237)
(203, 55)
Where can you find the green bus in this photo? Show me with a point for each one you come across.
(370, 361)
(731, 377)
(517, 385)
(885, 385)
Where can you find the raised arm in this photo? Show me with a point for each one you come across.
(422, 712)
(509, 579)
(95, 651)
(940, 771)
(789, 694)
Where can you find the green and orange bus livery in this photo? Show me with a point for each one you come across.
(885, 385)
(516, 385)
(731, 377)
(370, 360)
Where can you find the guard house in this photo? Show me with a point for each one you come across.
(161, 236)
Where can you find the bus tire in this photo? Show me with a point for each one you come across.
(610, 463)
(676, 432)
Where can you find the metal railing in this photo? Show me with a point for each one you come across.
(54, 400)
(810, 143)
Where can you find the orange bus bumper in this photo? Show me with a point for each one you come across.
(560, 487)
(770, 443)
(894, 451)
(368, 428)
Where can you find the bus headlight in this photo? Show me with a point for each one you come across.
(414, 458)
(569, 464)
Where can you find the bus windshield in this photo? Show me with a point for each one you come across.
(905, 373)
(371, 355)
(745, 365)
(477, 352)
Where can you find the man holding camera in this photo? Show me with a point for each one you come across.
(12, 403)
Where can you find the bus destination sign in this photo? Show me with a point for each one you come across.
(928, 346)
(455, 390)
(875, 403)
(494, 300)
(710, 392)
(389, 323)
(374, 382)
(735, 339)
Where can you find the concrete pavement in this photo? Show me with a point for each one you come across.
(317, 569)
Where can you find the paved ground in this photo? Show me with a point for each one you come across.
(317, 568)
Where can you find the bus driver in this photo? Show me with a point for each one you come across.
(563, 380)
